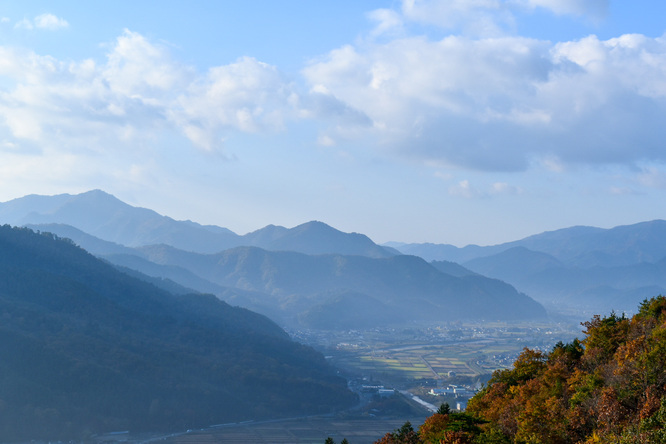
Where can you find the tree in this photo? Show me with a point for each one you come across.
(403, 435)
(444, 409)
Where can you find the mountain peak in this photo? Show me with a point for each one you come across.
(315, 237)
(104, 216)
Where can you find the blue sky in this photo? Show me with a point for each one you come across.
(450, 121)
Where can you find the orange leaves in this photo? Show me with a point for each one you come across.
(433, 427)
(610, 387)
(611, 414)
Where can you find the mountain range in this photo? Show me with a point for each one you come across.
(295, 276)
(105, 217)
(89, 349)
(580, 268)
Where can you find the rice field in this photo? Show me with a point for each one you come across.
(427, 361)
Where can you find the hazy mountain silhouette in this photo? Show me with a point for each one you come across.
(295, 282)
(577, 246)
(291, 277)
(102, 215)
(88, 349)
(452, 268)
(586, 267)
(514, 263)
(591, 287)
(314, 238)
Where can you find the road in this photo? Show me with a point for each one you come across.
(415, 398)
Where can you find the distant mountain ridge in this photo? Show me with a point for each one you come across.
(585, 267)
(296, 276)
(104, 216)
(406, 286)
(286, 285)
(578, 245)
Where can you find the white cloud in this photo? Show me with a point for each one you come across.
(500, 103)
(46, 21)
(503, 188)
(388, 22)
(325, 140)
(653, 177)
(137, 68)
(505, 103)
(493, 17)
(24, 24)
(247, 95)
(466, 190)
(50, 22)
(136, 96)
(463, 189)
(478, 17)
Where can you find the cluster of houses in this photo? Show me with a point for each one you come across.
(378, 390)
(460, 393)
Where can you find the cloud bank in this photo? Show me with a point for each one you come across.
(487, 102)
(137, 94)
(505, 103)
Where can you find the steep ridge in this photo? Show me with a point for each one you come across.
(87, 349)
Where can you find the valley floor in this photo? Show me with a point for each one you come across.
(297, 431)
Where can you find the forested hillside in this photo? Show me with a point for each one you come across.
(87, 349)
(298, 288)
(610, 387)
(310, 276)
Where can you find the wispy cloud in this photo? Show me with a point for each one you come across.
(466, 190)
(45, 21)
(387, 21)
(493, 17)
(50, 22)
(653, 177)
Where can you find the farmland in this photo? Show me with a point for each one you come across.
(418, 363)
(422, 356)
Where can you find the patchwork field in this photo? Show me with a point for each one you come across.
(413, 362)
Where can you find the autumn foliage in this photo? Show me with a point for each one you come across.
(608, 388)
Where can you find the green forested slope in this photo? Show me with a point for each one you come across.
(86, 349)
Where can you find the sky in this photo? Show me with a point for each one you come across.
(443, 121)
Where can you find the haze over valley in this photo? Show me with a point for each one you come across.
(330, 289)
(423, 221)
